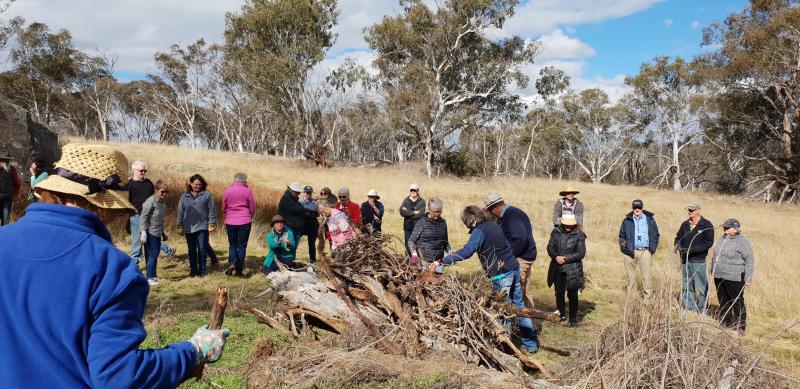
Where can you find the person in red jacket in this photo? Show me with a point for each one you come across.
(9, 188)
(352, 209)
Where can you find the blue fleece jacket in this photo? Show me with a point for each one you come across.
(493, 250)
(71, 308)
(518, 230)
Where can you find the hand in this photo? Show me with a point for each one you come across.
(179, 228)
(143, 236)
(432, 267)
(211, 228)
(748, 284)
(561, 259)
(371, 202)
(414, 260)
(33, 171)
(209, 344)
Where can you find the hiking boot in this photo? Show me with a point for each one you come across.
(573, 324)
(229, 270)
(530, 350)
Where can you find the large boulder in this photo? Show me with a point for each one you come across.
(24, 139)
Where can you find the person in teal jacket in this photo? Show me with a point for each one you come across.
(71, 310)
(282, 245)
(38, 174)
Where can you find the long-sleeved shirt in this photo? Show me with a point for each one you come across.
(429, 239)
(139, 192)
(282, 246)
(238, 204)
(291, 210)
(71, 311)
(196, 213)
(154, 211)
(562, 208)
(733, 259)
(694, 241)
(339, 228)
(371, 218)
(411, 211)
(493, 250)
(518, 230)
(35, 180)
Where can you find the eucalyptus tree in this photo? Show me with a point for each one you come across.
(440, 68)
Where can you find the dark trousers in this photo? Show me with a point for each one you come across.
(5, 210)
(197, 243)
(731, 303)
(561, 290)
(310, 232)
(406, 237)
(152, 249)
(237, 245)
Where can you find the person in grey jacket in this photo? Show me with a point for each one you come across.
(412, 209)
(429, 240)
(568, 204)
(197, 217)
(732, 269)
(154, 211)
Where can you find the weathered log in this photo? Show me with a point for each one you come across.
(268, 320)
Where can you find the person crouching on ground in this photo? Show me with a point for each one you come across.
(72, 313)
(197, 217)
(337, 224)
(429, 241)
(281, 243)
(154, 211)
(732, 269)
(567, 247)
(499, 264)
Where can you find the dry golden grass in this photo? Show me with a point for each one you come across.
(773, 230)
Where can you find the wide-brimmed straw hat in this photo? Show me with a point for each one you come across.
(567, 190)
(94, 172)
(569, 220)
(373, 193)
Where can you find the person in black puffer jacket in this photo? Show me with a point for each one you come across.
(566, 248)
(429, 240)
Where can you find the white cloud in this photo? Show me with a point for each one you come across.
(668, 22)
(558, 45)
(695, 24)
(539, 17)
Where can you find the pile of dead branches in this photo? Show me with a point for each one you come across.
(662, 345)
(404, 310)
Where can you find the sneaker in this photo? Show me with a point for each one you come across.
(530, 350)
(229, 270)
(152, 281)
(740, 332)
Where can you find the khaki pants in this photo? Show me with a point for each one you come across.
(638, 269)
(524, 277)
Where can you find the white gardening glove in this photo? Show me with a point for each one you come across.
(143, 236)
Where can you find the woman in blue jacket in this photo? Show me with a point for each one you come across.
(71, 310)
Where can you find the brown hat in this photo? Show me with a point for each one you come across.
(276, 219)
(567, 190)
(95, 172)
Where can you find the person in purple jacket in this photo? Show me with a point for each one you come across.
(71, 310)
(239, 207)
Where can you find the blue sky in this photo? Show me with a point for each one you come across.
(597, 42)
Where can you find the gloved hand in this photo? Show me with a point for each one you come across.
(179, 228)
(211, 228)
(414, 260)
(143, 236)
(209, 344)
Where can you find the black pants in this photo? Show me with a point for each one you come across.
(311, 233)
(406, 237)
(561, 290)
(731, 303)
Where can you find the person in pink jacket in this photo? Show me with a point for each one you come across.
(239, 207)
(339, 227)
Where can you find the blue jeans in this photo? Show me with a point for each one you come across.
(237, 245)
(5, 208)
(510, 284)
(136, 244)
(153, 247)
(694, 279)
(197, 243)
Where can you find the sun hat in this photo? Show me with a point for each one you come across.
(277, 218)
(567, 190)
(693, 206)
(296, 187)
(732, 223)
(413, 187)
(373, 193)
(95, 172)
(637, 204)
(569, 220)
(308, 189)
(491, 199)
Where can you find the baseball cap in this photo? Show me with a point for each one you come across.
(693, 206)
(413, 187)
(637, 204)
(308, 189)
(732, 223)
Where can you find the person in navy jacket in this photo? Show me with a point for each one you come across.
(638, 240)
(71, 310)
(498, 262)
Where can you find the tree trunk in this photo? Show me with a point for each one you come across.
(676, 179)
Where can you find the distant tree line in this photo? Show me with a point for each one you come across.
(441, 91)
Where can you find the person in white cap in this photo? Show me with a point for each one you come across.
(518, 229)
(292, 211)
(412, 209)
(372, 213)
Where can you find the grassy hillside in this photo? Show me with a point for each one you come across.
(179, 304)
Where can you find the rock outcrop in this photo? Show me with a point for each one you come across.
(25, 140)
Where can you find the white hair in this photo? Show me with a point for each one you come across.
(138, 163)
(435, 204)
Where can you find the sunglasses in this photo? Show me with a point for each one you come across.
(635, 208)
(141, 170)
(414, 190)
(342, 197)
